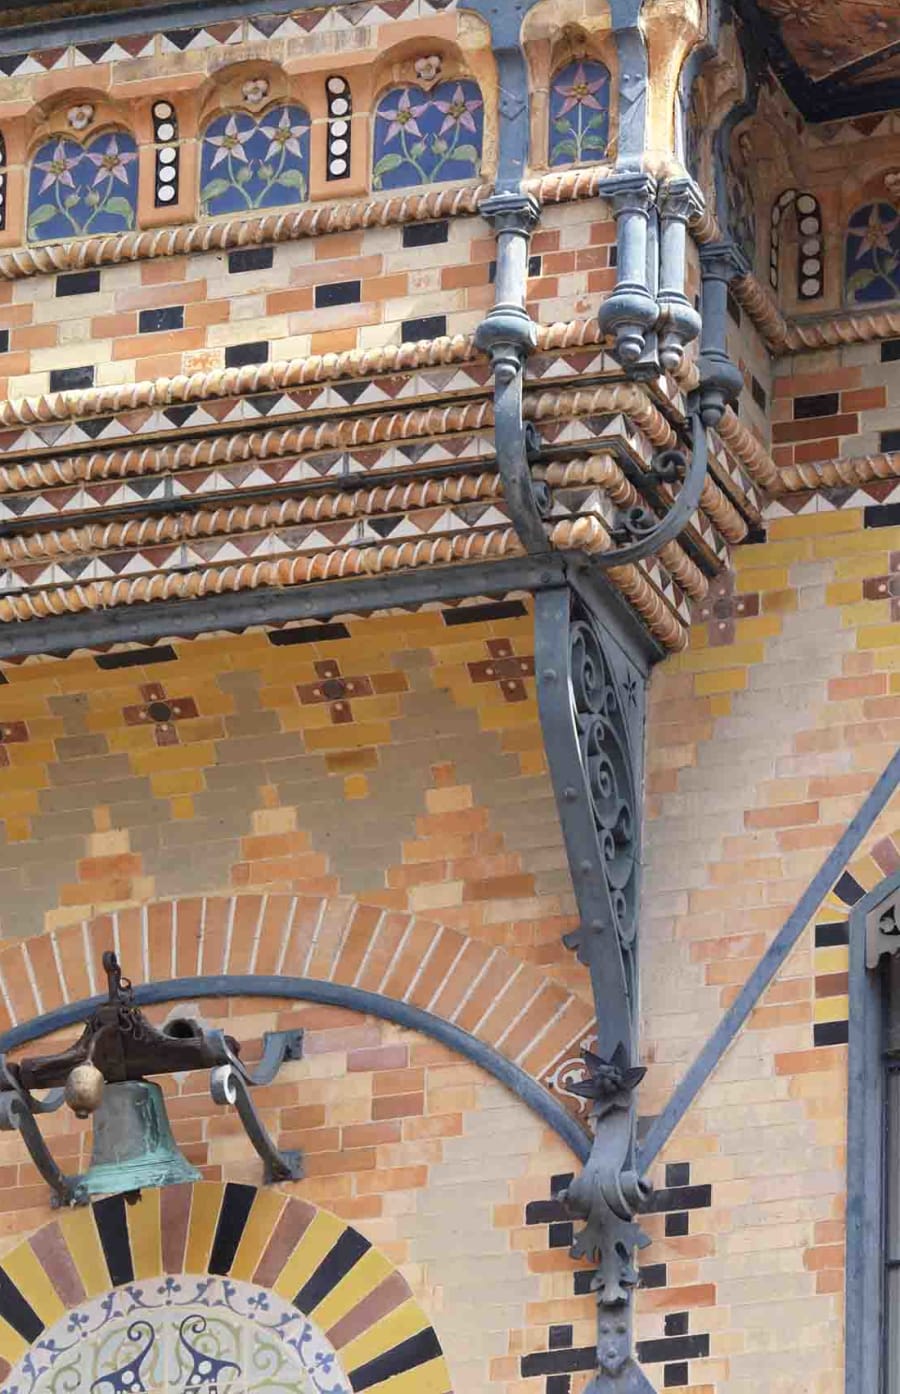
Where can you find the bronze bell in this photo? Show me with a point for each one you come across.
(133, 1143)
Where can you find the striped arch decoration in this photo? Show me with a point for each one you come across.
(831, 954)
(210, 1285)
(810, 247)
(489, 994)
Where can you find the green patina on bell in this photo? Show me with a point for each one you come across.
(133, 1143)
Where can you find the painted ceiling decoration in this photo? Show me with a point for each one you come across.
(835, 58)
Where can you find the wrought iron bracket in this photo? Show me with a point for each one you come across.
(591, 703)
(230, 1083)
(17, 1114)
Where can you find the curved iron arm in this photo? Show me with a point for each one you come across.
(510, 445)
(278, 1046)
(17, 1110)
(227, 1085)
(678, 516)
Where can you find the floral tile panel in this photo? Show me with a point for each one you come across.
(75, 190)
(872, 267)
(579, 114)
(178, 1335)
(425, 138)
(250, 162)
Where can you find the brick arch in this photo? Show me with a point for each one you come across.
(308, 1257)
(505, 1003)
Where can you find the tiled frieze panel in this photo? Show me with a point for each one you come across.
(743, 808)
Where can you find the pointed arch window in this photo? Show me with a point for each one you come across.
(579, 113)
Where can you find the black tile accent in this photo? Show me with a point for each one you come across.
(677, 1224)
(240, 355)
(477, 614)
(558, 1384)
(78, 283)
(112, 1227)
(734, 309)
(308, 634)
(534, 266)
(828, 935)
(613, 254)
(560, 1337)
(544, 1212)
(169, 317)
(236, 1204)
(673, 1348)
(336, 1264)
(890, 351)
(561, 1234)
(889, 440)
(676, 1375)
(428, 327)
(881, 515)
(680, 1198)
(4, 341)
(177, 416)
(820, 404)
(561, 1182)
(251, 259)
(554, 1362)
(678, 1173)
(338, 293)
(826, 1033)
(20, 1314)
(758, 392)
(425, 234)
(848, 889)
(136, 658)
(755, 537)
(676, 1323)
(414, 1351)
(653, 1275)
(67, 379)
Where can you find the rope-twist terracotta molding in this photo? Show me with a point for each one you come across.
(605, 472)
(743, 444)
(338, 565)
(226, 234)
(860, 328)
(600, 470)
(833, 474)
(328, 435)
(280, 375)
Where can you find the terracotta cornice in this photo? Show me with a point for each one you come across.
(280, 375)
(838, 474)
(584, 534)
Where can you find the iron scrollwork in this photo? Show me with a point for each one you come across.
(591, 706)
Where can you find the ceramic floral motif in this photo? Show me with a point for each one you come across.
(422, 138)
(182, 1335)
(252, 162)
(78, 189)
(872, 267)
(579, 114)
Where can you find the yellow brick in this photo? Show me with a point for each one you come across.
(853, 543)
(182, 807)
(173, 757)
(843, 593)
(356, 786)
(753, 577)
(816, 525)
(170, 784)
(720, 704)
(878, 636)
(834, 959)
(732, 655)
(729, 680)
(18, 830)
(831, 1009)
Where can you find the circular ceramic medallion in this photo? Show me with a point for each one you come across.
(181, 1334)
